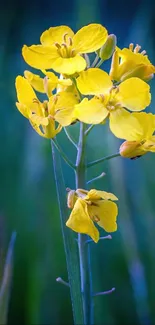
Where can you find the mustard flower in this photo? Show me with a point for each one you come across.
(140, 140)
(129, 62)
(61, 49)
(110, 101)
(52, 81)
(90, 207)
(42, 116)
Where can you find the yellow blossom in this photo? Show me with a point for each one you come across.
(109, 101)
(90, 207)
(41, 85)
(61, 49)
(42, 116)
(140, 140)
(129, 62)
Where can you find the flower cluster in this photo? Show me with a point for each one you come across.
(78, 90)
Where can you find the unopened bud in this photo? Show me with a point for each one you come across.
(71, 198)
(131, 149)
(108, 48)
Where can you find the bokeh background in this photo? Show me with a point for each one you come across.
(28, 203)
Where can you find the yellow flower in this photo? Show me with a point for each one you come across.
(129, 63)
(133, 94)
(61, 50)
(42, 116)
(46, 85)
(92, 207)
(140, 140)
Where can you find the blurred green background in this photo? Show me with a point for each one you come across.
(28, 201)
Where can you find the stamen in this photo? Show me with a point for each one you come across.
(142, 142)
(64, 44)
(102, 96)
(131, 45)
(118, 105)
(57, 45)
(112, 88)
(96, 218)
(137, 48)
(70, 41)
(51, 117)
(143, 52)
(35, 100)
(73, 52)
(65, 38)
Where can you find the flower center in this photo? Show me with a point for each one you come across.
(110, 100)
(65, 49)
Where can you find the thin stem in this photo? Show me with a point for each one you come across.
(99, 63)
(70, 138)
(95, 61)
(96, 178)
(102, 293)
(87, 60)
(63, 155)
(101, 238)
(84, 253)
(89, 129)
(60, 280)
(98, 161)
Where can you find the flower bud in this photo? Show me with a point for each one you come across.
(108, 48)
(131, 149)
(71, 199)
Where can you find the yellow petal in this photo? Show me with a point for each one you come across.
(106, 212)
(39, 56)
(65, 82)
(55, 35)
(35, 81)
(23, 109)
(125, 126)
(64, 110)
(25, 93)
(69, 66)
(38, 120)
(91, 111)
(94, 81)
(134, 94)
(149, 145)
(137, 58)
(80, 221)
(52, 82)
(90, 38)
(96, 195)
(147, 123)
(63, 107)
(37, 129)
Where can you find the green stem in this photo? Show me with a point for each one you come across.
(95, 61)
(99, 63)
(84, 254)
(98, 161)
(68, 162)
(70, 244)
(89, 129)
(70, 138)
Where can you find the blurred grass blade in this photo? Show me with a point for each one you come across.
(70, 244)
(6, 282)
